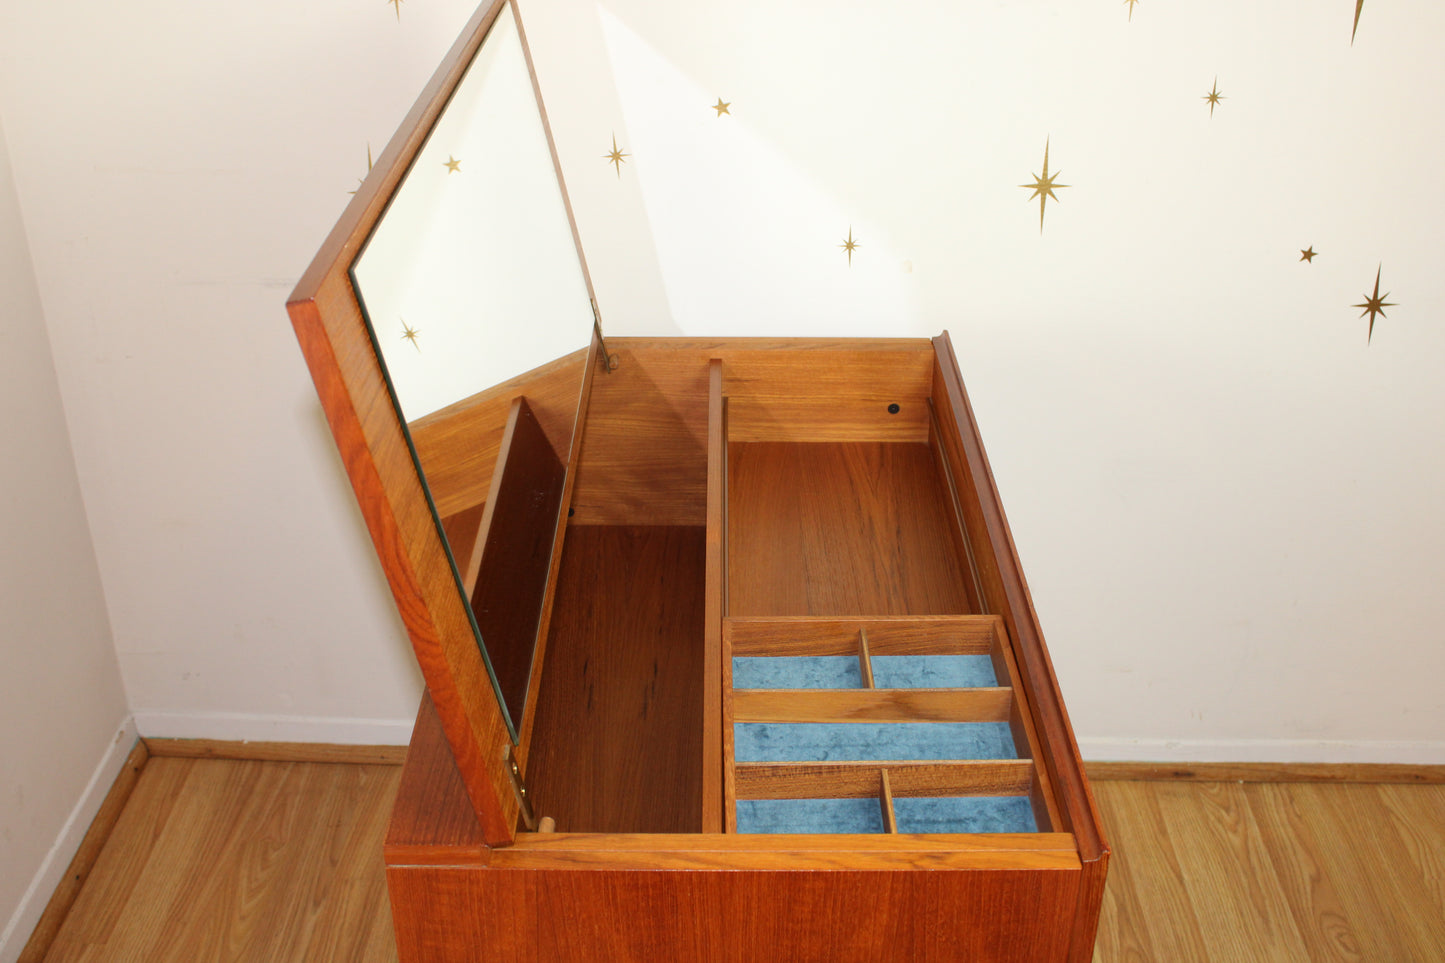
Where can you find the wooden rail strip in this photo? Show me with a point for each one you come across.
(713, 756)
(42, 938)
(993, 704)
(902, 635)
(858, 780)
(1329, 772)
(275, 751)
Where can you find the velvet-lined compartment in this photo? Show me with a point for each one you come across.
(854, 741)
(844, 672)
(921, 814)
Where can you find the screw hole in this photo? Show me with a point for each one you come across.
(893, 408)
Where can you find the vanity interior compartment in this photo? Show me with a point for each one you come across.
(617, 743)
(872, 725)
(863, 689)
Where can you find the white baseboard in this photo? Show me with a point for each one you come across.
(22, 923)
(1419, 753)
(243, 727)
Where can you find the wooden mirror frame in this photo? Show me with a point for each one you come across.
(381, 462)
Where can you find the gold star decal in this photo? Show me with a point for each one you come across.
(408, 333)
(362, 180)
(452, 164)
(618, 157)
(1131, 8)
(849, 245)
(1359, 5)
(722, 107)
(397, 5)
(1214, 96)
(1043, 186)
(1374, 304)
(1308, 254)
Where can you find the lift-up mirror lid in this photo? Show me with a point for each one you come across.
(432, 320)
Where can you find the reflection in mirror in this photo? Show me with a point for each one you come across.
(472, 285)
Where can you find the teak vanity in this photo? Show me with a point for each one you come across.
(728, 651)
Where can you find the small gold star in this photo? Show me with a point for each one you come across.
(1043, 186)
(1374, 304)
(362, 180)
(618, 157)
(452, 164)
(849, 245)
(721, 107)
(408, 333)
(1214, 96)
(397, 4)
(1308, 254)
(1131, 8)
(1359, 5)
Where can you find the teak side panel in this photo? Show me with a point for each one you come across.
(1007, 594)
(446, 914)
(431, 819)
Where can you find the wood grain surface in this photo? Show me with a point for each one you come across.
(43, 937)
(645, 462)
(207, 851)
(224, 860)
(512, 559)
(839, 529)
(617, 742)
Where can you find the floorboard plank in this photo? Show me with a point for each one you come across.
(221, 860)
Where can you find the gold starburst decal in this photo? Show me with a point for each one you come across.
(618, 157)
(1131, 8)
(408, 333)
(1214, 96)
(1043, 186)
(1359, 5)
(397, 5)
(1308, 254)
(849, 246)
(722, 107)
(452, 164)
(1375, 304)
(362, 180)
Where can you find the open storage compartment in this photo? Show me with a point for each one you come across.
(727, 649)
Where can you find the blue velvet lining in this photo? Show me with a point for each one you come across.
(810, 816)
(964, 814)
(789, 672)
(956, 814)
(842, 672)
(826, 742)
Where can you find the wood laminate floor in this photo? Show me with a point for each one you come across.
(218, 860)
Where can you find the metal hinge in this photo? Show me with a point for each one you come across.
(609, 361)
(524, 802)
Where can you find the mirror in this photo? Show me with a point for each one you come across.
(472, 285)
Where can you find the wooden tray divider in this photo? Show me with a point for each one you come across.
(865, 661)
(885, 802)
(717, 668)
(898, 635)
(1026, 739)
(993, 704)
(859, 780)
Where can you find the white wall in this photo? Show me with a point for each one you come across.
(64, 728)
(1225, 500)
(176, 181)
